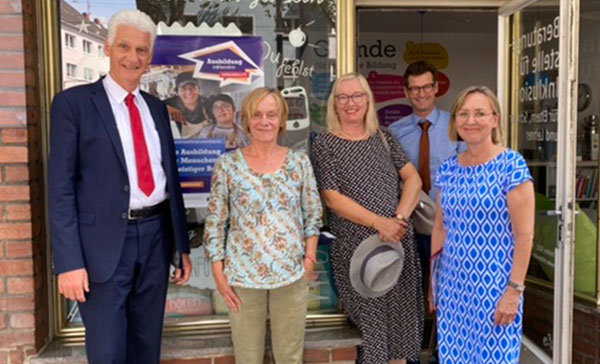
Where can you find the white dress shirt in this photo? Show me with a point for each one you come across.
(116, 96)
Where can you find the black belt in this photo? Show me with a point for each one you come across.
(145, 212)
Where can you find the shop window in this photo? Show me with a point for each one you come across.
(293, 41)
(587, 186)
(534, 119)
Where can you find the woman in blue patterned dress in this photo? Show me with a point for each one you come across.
(484, 231)
(261, 234)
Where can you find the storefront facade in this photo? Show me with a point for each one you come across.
(538, 56)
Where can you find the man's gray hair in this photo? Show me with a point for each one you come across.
(132, 18)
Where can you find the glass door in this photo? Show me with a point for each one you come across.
(537, 82)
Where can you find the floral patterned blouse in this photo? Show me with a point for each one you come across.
(258, 222)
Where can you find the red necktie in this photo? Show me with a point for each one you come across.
(142, 159)
(424, 156)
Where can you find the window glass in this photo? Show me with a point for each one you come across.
(69, 40)
(294, 39)
(588, 145)
(87, 46)
(88, 74)
(534, 117)
(71, 70)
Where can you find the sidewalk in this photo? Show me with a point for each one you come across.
(527, 357)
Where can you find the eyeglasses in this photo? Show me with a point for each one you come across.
(414, 90)
(356, 97)
(477, 115)
(222, 107)
(270, 116)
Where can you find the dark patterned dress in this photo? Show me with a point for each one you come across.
(391, 326)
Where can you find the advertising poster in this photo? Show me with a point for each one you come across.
(203, 80)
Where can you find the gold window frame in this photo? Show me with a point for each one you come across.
(50, 75)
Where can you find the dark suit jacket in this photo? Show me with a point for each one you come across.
(88, 185)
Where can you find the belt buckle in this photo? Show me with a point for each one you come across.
(131, 217)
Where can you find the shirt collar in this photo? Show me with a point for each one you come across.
(432, 117)
(116, 91)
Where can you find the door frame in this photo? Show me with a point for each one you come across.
(566, 163)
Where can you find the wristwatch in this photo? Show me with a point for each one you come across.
(517, 287)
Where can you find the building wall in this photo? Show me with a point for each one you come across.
(23, 283)
(99, 64)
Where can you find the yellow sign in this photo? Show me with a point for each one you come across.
(433, 53)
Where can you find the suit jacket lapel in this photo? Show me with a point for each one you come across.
(100, 99)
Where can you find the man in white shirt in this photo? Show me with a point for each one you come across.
(116, 209)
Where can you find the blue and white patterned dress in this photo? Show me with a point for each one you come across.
(477, 260)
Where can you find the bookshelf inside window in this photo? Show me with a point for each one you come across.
(587, 183)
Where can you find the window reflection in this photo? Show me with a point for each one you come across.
(296, 40)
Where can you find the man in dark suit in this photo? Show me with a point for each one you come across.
(116, 210)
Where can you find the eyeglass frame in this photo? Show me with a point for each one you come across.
(414, 90)
(468, 115)
(259, 116)
(359, 95)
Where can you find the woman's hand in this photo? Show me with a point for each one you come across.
(507, 308)
(231, 299)
(391, 230)
(309, 267)
(430, 300)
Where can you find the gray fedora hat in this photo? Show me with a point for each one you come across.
(376, 266)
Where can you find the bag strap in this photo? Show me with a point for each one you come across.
(386, 145)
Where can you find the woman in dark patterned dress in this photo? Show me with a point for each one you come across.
(360, 182)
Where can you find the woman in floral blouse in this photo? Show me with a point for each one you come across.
(261, 234)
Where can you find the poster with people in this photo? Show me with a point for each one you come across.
(203, 80)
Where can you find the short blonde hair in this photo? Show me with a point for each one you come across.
(371, 119)
(497, 134)
(250, 104)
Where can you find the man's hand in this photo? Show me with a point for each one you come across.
(74, 284)
(181, 276)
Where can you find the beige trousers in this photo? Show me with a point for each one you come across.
(287, 310)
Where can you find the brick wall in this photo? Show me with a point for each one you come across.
(538, 325)
(23, 284)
